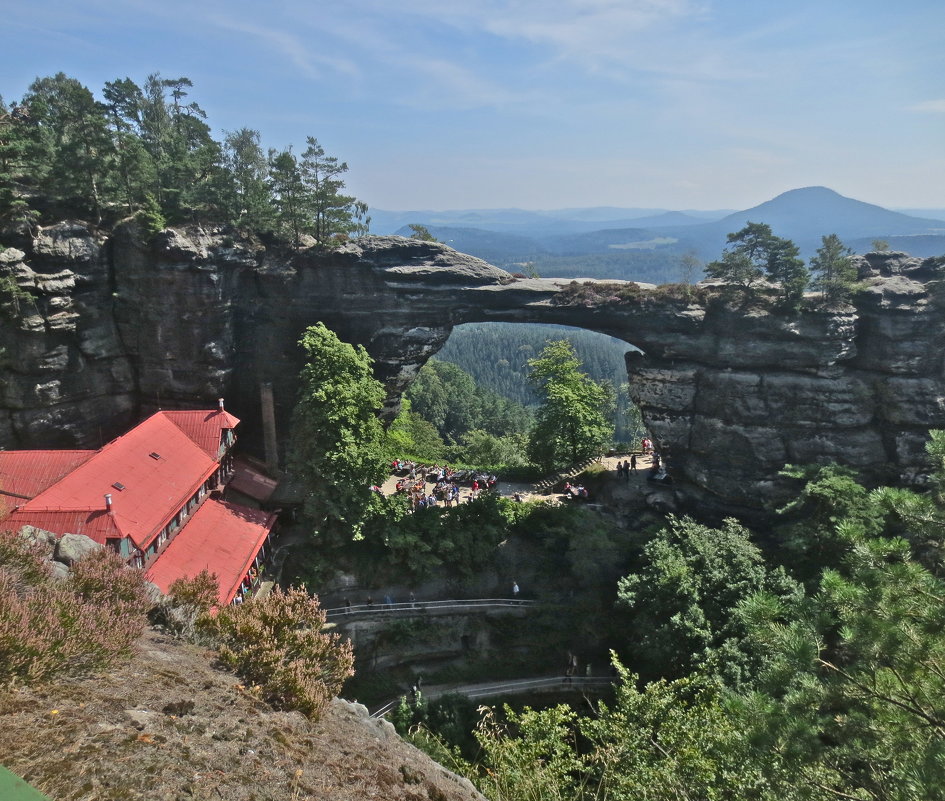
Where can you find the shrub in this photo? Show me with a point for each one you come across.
(186, 610)
(277, 644)
(76, 626)
(151, 218)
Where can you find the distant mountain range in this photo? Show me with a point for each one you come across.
(646, 244)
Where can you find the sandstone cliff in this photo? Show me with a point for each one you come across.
(117, 328)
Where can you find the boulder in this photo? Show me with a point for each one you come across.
(73, 547)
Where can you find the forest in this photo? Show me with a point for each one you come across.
(147, 150)
(800, 660)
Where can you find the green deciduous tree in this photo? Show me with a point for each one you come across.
(337, 440)
(574, 421)
(834, 272)
(684, 601)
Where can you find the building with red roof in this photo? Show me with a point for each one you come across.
(143, 492)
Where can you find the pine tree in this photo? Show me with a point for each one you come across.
(835, 274)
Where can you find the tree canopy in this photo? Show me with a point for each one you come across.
(149, 149)
(574, 420)
(337, 440)
(756, 252)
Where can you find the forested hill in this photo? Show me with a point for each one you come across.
(496, 355)
(656, 248)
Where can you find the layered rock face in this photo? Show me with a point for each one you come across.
(115, 328)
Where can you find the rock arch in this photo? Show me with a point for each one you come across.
(734, 393)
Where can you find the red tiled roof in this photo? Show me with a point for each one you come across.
(28, 473)
(203, 427)
(221, 537)
(158, 467)
(251, 481)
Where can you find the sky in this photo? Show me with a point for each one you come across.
(540, 104)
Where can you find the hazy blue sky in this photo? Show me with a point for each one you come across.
(441, 104)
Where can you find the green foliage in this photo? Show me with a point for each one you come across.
(757, 252)
(919, 517)
(855, 688)
(13, 298)
(412, 437)
(338, 443)
(150, 217)
(449, 398)
(69, 129)
(451, 718)
(668, 741)
(530, 757)
(671, 740)
(486, 450)
(879, 246)
(249, 203)
(834, 273)
(812, 538)
(573, 422)
(74, 626)
(277, 644)
(459, 541)
(65, 152)
(684, 601)
(496, 356)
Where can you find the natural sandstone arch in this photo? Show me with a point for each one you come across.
(120, 329)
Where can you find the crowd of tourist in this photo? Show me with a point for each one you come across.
(414, 478)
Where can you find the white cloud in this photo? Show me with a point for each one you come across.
(929, 107)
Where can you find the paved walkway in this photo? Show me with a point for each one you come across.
(493, 689)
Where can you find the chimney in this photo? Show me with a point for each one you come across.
(108, 501)
(219, 404)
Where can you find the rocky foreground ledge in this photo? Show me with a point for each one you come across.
(169, 726)
(114, 328)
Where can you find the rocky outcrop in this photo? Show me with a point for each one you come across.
(116, 328)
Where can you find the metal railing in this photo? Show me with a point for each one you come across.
(419, 607)
(474, 691)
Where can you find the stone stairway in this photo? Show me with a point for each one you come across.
(545, 485)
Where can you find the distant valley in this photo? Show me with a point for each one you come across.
(647, 244)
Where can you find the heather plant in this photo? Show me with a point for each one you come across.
(277, 644)
(75, 626)
(187, 609)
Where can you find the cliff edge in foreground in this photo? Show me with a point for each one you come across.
(167, 725)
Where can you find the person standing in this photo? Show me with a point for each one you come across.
(633, 463)
(515, 590)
